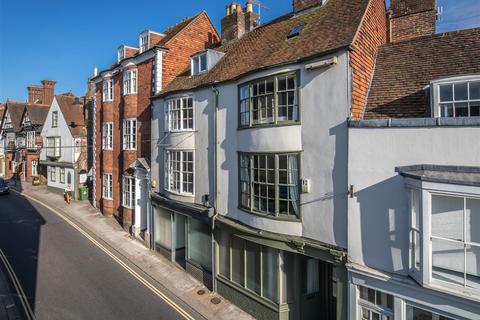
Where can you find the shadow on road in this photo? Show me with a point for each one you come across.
(20, 227)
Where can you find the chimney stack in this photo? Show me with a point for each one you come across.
(300, 5)
(411, 19)
(41, 94)
(48, 91)
(238, 21)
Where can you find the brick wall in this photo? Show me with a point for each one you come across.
(198, 35)
(371, 34)
(413, 26)
(299, 5)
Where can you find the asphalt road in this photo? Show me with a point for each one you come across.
(64, 275)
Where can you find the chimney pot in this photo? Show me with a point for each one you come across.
(250, 6)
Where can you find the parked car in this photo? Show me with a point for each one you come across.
(4, 188)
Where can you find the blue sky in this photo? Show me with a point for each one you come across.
(64, 40)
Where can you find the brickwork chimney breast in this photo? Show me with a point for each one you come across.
(238, 21)
(299, 5)
(411, 19)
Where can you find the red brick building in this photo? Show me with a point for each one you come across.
(122, 113)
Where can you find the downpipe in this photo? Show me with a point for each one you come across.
(215, 186)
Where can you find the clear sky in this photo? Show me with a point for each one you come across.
(64, 40)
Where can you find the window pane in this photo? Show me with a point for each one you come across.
(461, 91)
(475, 109)
(448, 261)
(288, 275)
(199, 243)
(447, 217)
(461, 109)
(224, 253)
(163, 229)
(253, 266)
(270, 273)
(472, 221)
(446, 110)
(446, 92)
(238, 262)
(475, 90)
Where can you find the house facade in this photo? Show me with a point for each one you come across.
(414, 210)
(250, 152)
(64, 151)
(122, 116)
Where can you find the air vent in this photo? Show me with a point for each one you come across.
(295, 31)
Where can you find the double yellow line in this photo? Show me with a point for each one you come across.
(135, 274)
(21, 294)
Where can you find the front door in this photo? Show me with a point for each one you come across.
(317, 299)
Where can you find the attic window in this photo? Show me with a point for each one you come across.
(295, 31)
(199, 63)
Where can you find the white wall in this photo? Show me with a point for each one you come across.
(321, 138)
(57, 183)
(378, 216)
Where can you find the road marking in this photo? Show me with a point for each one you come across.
(141, 279)
(18, 287)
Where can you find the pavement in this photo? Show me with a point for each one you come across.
(81, 264)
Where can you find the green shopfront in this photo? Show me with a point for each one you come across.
(279, 277)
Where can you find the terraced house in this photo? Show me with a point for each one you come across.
(252, 143)
(123, 116)
(414, 217)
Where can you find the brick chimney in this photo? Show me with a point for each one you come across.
(299, 5)
(238, 21)
(35, 94)
(48, 91)
(411, 19)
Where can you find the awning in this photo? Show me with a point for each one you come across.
(196, 211)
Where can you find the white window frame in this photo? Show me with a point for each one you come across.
(175, 114)
(129, 134)
(62, 175)
(121, 53)
(169, 172)
(435, 314)
(128, 192)
(376, 308)
(107, 136)
(144, 41)
(196, 63)
(435, 93)
(31, 136)
(107, 190)
(425, 275)
(34, 168)
(107, 90)
(54, 119)
(54, 150)
(130, 81)
(53, 174)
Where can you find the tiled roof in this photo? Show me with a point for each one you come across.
(73, 114)
(403, 71)
(15, 109)
(37, 113)
(327, 28)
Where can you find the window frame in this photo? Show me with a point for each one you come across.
(31, 140)
(435, 94)
(130, 81)
(107, 135)
(168, 113)
(34, 164)
(129, 135)
(53, 174)
(168, 171)
(107, 95)
(62, 175)
(196, 63)
(425, 275)
(275, 122)
(374, 307)
(54, 119)
(276, 214)
(107, 185)
(131, 192)
(57, 148)
(144, 42)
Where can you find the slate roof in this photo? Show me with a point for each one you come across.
(15, 109)
(73, 114)
(326, 29)
(37, 113)
(405, 69)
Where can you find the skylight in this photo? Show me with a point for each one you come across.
(295, 31)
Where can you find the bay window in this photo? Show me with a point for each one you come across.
(273, 100)
(269, 183)
(107, 186)
(179, 172)
(128, 187)
(107, 136)
(416, 313)
(374, 305)
(108, 90)
(130, 81)
(179, 114)
(129, 134)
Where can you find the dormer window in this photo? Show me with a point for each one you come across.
(457, 97)
(121, 53)
(144, 42)
(199, 63)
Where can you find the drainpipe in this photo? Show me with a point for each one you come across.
(215, 185)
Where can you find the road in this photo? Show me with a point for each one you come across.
(66, 276)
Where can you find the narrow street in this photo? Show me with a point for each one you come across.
(65, 276)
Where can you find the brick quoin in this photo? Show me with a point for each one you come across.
(196, 36)
(371, 34)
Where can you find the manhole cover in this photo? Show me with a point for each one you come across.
(201, 292)
(215, 300)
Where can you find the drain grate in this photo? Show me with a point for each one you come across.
(215, 300)
(201, 292)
